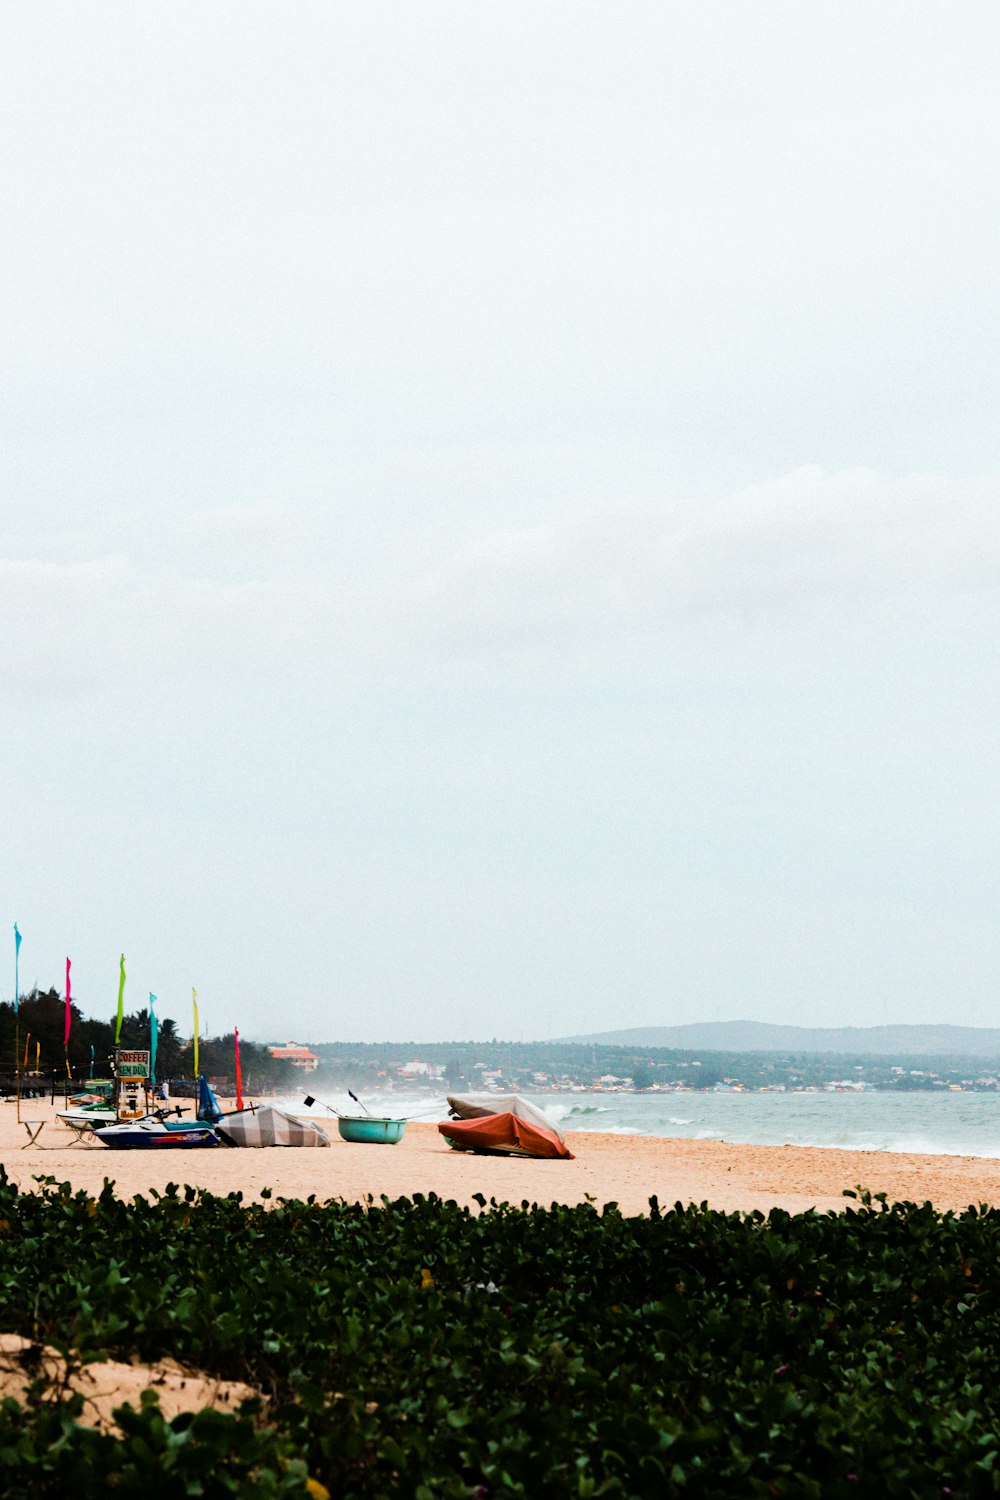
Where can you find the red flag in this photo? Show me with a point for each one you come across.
(69, 1018)
(239, 1074)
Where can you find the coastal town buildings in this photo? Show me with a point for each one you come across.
(299, 1057)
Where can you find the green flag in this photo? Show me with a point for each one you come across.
(121, 1002)
(194, 1002)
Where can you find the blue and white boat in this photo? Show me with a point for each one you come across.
(151, 1134)
(154, 1132)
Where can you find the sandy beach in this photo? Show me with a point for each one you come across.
(627, 1170)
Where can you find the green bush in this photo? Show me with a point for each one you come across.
(420, 1349)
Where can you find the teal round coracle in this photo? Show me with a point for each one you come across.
(371, 1131)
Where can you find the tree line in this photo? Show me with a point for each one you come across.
(31, 1040)
(542, 1065)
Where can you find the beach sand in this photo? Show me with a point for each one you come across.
(624, 1169)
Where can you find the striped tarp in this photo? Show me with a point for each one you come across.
(268, 1126)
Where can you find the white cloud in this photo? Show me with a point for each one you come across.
(812, 552)
(808, 559)
(108, 627)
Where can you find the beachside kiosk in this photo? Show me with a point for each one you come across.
(131, 1084)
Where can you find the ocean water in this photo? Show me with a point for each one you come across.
(933, 1123)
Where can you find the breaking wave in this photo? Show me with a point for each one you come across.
(921, 1123)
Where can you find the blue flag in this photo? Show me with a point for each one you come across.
(17, 950)
(153, 1034)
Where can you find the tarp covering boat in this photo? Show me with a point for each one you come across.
(506, 1134)
(268, 1126)
(475, 1106)
(209, 1109)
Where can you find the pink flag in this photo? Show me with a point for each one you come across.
(69, 1018)
(239, 1074)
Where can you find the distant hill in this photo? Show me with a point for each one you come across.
(762, 1036)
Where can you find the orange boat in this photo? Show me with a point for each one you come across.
(503, 1134)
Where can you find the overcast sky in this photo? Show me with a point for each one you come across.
(501, 512)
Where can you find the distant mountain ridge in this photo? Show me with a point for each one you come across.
(763, 1036)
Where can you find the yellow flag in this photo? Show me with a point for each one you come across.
(194, 1001)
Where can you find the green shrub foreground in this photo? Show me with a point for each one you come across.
(417, 1348)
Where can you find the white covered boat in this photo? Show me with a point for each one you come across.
(478, 1106)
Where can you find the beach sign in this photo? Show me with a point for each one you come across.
(132, 1073)
(133, 1064)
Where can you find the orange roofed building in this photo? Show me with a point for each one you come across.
(299, 1057)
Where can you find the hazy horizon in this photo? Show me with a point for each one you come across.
(500, 513)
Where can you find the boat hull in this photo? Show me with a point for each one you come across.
(94, 1118)
(136, 1138)
(369, 1131)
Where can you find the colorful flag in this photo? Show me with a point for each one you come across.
(69, 1017)
(121, 1002)
(194, 1002)
(24, 1065)
(154, 1032)
(239, 1073)
(91, 1059)
(17, 950)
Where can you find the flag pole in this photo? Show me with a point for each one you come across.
(17, 1025)
(68, 1023)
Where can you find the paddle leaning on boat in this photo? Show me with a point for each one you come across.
(366, 1129)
